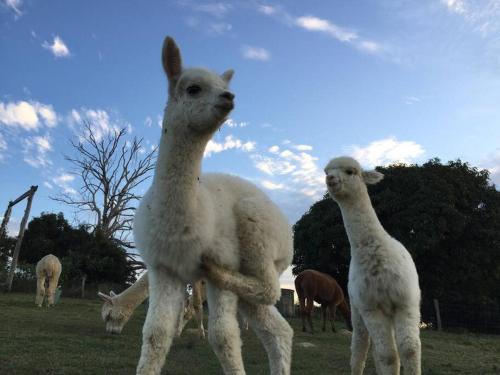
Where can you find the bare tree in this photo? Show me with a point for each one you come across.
(110, 168)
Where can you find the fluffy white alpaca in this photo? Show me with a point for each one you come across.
(48, 270)
(186, 216)
(383, 281)
(118, 308)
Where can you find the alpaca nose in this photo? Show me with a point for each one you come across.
(332, 179)
(227, 95)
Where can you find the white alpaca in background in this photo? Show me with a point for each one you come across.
(383, 281)
(229, 223)
(48, 270)
(118, 308)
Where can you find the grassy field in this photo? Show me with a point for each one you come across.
(70, 339)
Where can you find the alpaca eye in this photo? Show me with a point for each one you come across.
(349, 172)
(193, 89)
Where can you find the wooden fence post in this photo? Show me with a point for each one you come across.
(438, 315)
(17, 249)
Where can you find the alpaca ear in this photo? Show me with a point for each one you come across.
(105, 297)
(171, 60)
(227, 75)
(372, 177)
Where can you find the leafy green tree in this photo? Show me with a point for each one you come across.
(448, 217)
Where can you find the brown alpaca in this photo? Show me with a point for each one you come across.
(314, 286)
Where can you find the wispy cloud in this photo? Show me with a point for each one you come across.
(217, 9)
(57, 47)
(101, 123)
(255, 53)
(482, 15)
(324, 26)
(208, 18)
(298, 170)
(35, 150)
(27, 115)
(229, 143)
(3, 146)
(411, 100)
(14, 5)
(231, 123)
(457, 6)
(386, 151)
(63, 181)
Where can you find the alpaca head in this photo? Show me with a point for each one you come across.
(346, 179)
(114, 314)
(199, 100)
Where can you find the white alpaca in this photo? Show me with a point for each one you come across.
(186, 216)
(383, 281)
(48, 270)
(118, 308)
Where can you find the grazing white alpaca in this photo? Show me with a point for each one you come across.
(383, 281)
(48, 270)
(186, 216)
(118, 308)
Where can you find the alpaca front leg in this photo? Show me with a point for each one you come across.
(360, 343)
(275, 334)
(264, 290)
(40, 291)
(223, 329)
(408, 341)
(166, 295)
(333, 311)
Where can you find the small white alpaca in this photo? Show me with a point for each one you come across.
(231, 224)
(118, 308)
(383, 281)
(48, 270)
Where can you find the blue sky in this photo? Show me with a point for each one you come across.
(383, 81)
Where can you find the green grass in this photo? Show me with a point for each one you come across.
(70, 339)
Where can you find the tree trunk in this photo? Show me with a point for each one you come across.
(84, 280)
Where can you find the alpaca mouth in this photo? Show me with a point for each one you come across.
(226, 107)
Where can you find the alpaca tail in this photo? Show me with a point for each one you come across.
(346, 313)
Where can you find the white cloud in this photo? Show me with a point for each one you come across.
(298, 171)
(387, 151)
(27, 115)
(312, 23)
(63, 181)
(230, 142)
(303, 147)
(234, 124)
(369, 46)
(148, 121)
(457, 6)
(492, 164)
(267, 9)
(271, 185)
(100, 123)
(412, 100)
(48, 185)
(255, 53)
(35, 151)
(58, 48)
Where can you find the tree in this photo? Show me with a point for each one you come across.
(84, 254)
(446, 215)
(110, 169)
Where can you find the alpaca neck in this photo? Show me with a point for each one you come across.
(135, 294)
(361, 222)
(177, 173)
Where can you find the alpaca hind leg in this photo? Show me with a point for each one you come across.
(51, 290)
(324, 311)
(275, 334)
(408, 341)
(223, 329)
(166, 295)
(380, 328)
(302, 311)
(40, 291)
(360, 343)
(198, 307)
